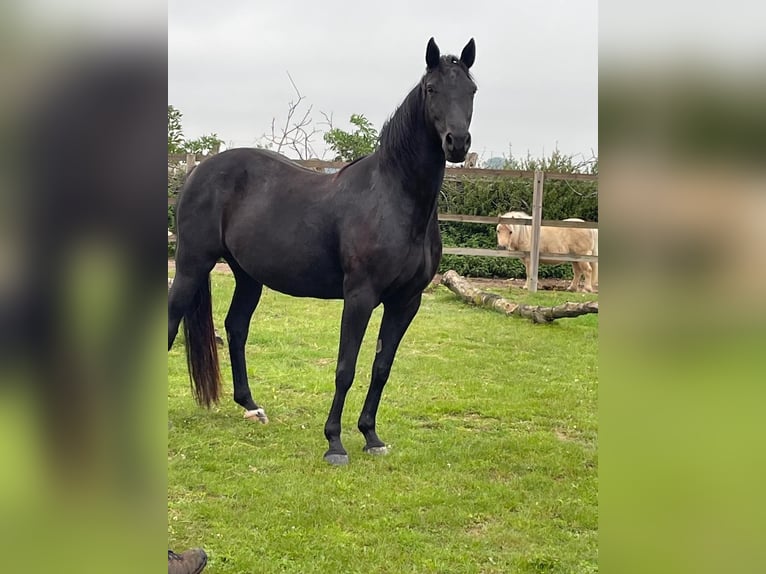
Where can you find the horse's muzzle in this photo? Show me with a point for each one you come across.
(456, 146)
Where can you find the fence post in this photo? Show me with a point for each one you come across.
(537, 216)
(191, 160)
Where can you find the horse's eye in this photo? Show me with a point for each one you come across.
(430, 89)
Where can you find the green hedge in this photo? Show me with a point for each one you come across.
(561, 200)
(498, 267)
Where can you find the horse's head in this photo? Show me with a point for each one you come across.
(449, 89)
(504, 233)
(505, 238)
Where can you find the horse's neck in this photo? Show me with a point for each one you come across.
(410, 154)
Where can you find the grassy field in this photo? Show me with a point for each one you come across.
(492, 428)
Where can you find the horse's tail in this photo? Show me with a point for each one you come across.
(201, 348)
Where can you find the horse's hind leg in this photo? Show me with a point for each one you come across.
(396, 320)
(588, 274)
(247, 293)
(581, 268)
(594, 274)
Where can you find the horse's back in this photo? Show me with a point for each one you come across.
(216, 183)
(567, 239)
(232, 170)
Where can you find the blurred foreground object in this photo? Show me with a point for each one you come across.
(683, 205)
(82, 411)
(190, 562)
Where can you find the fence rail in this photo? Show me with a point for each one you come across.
(450, 172)
(476, 252)
(457, 173)
(494, 220)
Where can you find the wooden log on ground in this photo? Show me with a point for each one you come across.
(535, 313)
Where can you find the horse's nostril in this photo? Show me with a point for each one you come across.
(449, 140)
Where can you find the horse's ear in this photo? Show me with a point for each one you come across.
(432, 54)
(469, 54)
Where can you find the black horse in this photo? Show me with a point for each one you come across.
(368, 235)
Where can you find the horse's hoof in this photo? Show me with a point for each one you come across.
(259, 414)
(377, 450)
(336, 459)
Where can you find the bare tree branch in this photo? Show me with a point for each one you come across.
(582, 167)
(297, 91)
(294, 133)
(327, 121)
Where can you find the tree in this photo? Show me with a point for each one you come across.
(175, 132)
(556, 162)
(204, 144)
(177, 144)
(351, 146)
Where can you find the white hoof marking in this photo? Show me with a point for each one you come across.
(259, 414)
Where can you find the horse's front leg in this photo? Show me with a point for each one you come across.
(357, 308)
(396, 320)
(577, 270)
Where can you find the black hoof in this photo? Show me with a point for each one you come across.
(336, 459)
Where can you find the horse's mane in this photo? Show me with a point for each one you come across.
(518, 215)
(352, 162)
(396, 142)
(452, 59)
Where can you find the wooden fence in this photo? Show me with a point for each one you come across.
(458, 173)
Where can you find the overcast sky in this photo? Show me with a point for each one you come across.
(536, 66)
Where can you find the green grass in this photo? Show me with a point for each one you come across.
(491, 423)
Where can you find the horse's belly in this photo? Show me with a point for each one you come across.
(296, 276)
(306, 289)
